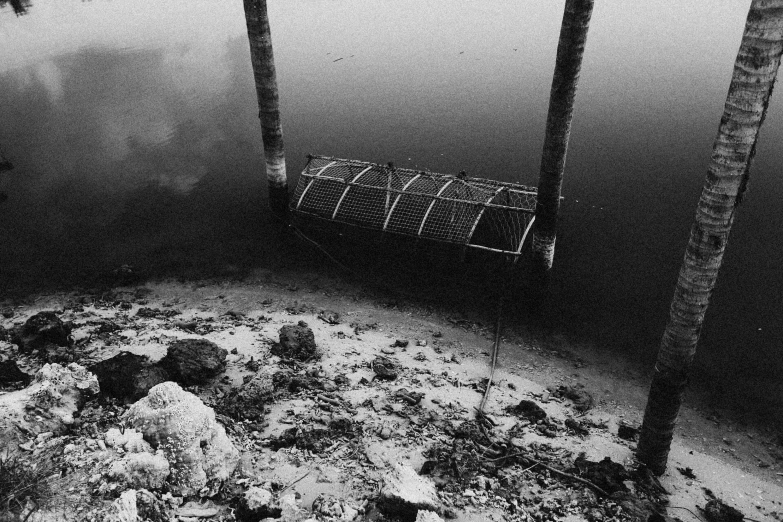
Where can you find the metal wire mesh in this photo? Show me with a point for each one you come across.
(474, 212)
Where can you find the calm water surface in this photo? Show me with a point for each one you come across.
(133, 128)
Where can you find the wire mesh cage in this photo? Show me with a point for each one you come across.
(478, 213)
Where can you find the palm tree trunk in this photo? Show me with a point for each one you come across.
(268, 103)
(746, 106)
(571, 47)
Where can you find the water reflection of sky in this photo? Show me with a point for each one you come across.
(133, 128)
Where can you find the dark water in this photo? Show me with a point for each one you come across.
(133, 130)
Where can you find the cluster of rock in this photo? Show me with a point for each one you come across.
(188, 361)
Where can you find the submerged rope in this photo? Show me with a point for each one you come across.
(495, 350)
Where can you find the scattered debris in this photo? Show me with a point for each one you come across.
(717, 511)
(155, 313)
(581, 399)
(577, 427)
(687, 473)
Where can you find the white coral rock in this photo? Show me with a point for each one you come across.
(124, 509)
(184, 428)
(48, 404)
(130, 440)
(141, 470)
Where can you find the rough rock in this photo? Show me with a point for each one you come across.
(296, 342)
(528, 410)
(141, 470)
(40, 330)
(333, 508)
(428, 516)
(404, 493)
(48, 404)
(256, 504)
(194, 361)
(627, 432)
(247, 402)
(150, 507)
(10, 372)
(146, 379)
(180, 425)
(386, 368)
(117, 374)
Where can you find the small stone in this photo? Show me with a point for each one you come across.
(404, 492)
(386, 367)
(388, 350)
(43, 437)
(194, 509)
(385, 433)
(427, 516)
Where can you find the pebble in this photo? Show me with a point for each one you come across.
(385, 433)
(388, 350)
(43, 437)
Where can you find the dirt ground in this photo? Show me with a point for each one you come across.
(446, 359)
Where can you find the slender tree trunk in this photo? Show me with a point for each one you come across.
(268, 103)
(746, 106)
(573, 35)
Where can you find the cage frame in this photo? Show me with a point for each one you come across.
(311, 177)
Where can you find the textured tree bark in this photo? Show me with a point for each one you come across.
(263, 62)
(570, 49)
(752, 82)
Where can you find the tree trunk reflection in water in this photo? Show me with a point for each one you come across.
(263, 61)
(754, 74)
(570, 49)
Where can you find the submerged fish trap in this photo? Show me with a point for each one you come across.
(478, 213)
